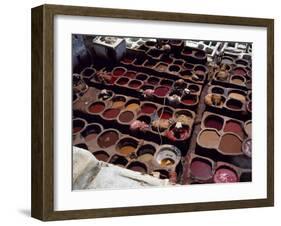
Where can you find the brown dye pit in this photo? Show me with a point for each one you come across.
(237, 80)
(174, 68)
(126, 146)
(217, 90)
(230, 144)
(200, 54)
(107, 139)
(188, 66)
(111, 113)
(235, 127)
(145, 153)
(141, 77)
(96, 107)
(213, 121)
(166, 82)
(209, 138)
(101, 156)
(126, 116)
(201, 169)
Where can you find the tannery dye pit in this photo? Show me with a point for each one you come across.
(175, 110)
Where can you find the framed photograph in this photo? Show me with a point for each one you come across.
(141, 112)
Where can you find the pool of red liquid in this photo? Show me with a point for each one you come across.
(212, 122)
(118, 72)
(130, 74)
(235, 127)
(148, 108)
(96, 107)
(201, 169)
(111, 113)
(225, 175)
(161, 91)
(165, 115)
(239, 71)
(188, 100)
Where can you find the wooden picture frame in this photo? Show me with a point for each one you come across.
(43, 110)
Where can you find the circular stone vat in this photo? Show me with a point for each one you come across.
(130, 74)
(138, 167)
(141, 76)
(227, 60)
(126, 146)
(146, 152)
(201, 168)
(126, 116)
(238, 80)
(101, 155)
(230, 144)
(133, 105)
(166, 82)
(239, 71)
(187, 51)
(193, 88)
(234, 104)
(242, 62)
(188, 66)
(234, 127)
(96, 107)
(119, 161)
(225, 174)
(111, 113)
(122, 81)
(118, 102)
(91, 132)
(153, 80)
(148, 108)
(174, 68)
(78, 125)
(200, 70)
(161, 91)
(213, 121)
(135, 84)
(168, 156)
(119, 71)
(189, 99)
(107, 138)
(218, 90)
(208, 138)
(165, 113)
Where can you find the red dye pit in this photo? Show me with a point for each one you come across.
(96, 108)
(111, 113)
(76, 129)
(148, 108)
(214, 122)
(130, 74)
(118, 71)
(201, 170)
(188, 100)
(165, 115)
(235, 127)
(239, 71)
(161, 91)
